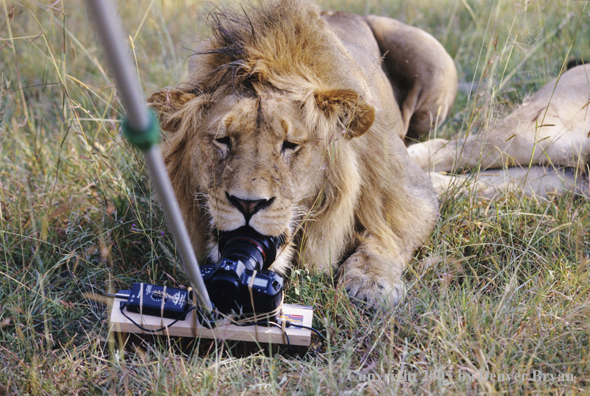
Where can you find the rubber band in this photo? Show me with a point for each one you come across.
(164, 296)
(250, 284)
(141, 304)
(194, 316)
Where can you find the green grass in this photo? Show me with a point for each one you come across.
(499, 287)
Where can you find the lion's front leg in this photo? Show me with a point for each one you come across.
(372, 275)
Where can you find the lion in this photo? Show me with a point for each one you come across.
(292, 122)
(540, 149)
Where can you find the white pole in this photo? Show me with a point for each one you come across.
(109, 29)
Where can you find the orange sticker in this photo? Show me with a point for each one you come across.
(294, 318)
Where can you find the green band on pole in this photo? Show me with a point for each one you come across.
(143, 139)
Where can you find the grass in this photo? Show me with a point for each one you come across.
(499, 288)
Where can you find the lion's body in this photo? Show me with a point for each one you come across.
(548, 132)
(288, 123)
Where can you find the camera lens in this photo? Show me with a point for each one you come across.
(257, 251)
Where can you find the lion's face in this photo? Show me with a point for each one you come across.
(258, 162)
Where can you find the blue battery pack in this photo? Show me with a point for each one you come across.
(160, 301)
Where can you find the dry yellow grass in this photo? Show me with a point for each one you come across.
(500, 288)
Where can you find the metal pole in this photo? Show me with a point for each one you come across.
(109, 28)
(173, 216)
(143, 132)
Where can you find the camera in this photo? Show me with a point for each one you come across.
(244, 254)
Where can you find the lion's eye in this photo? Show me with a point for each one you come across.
(289, 146)
(223, 142)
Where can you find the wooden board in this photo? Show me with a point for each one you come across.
(298, 314)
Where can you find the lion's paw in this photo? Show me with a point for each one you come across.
(376, 288)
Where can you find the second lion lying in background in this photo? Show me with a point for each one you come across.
(541, 148)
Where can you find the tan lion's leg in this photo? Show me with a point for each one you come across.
(372, 275)
(421, 72)
(537, 181)
(391, 223)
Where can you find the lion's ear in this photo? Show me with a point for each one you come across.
(354, 113)
(167, 103)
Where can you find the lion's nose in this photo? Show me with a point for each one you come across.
(249, 207)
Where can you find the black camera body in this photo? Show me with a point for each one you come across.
(244, 253)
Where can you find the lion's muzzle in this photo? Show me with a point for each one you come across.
(249, 207)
